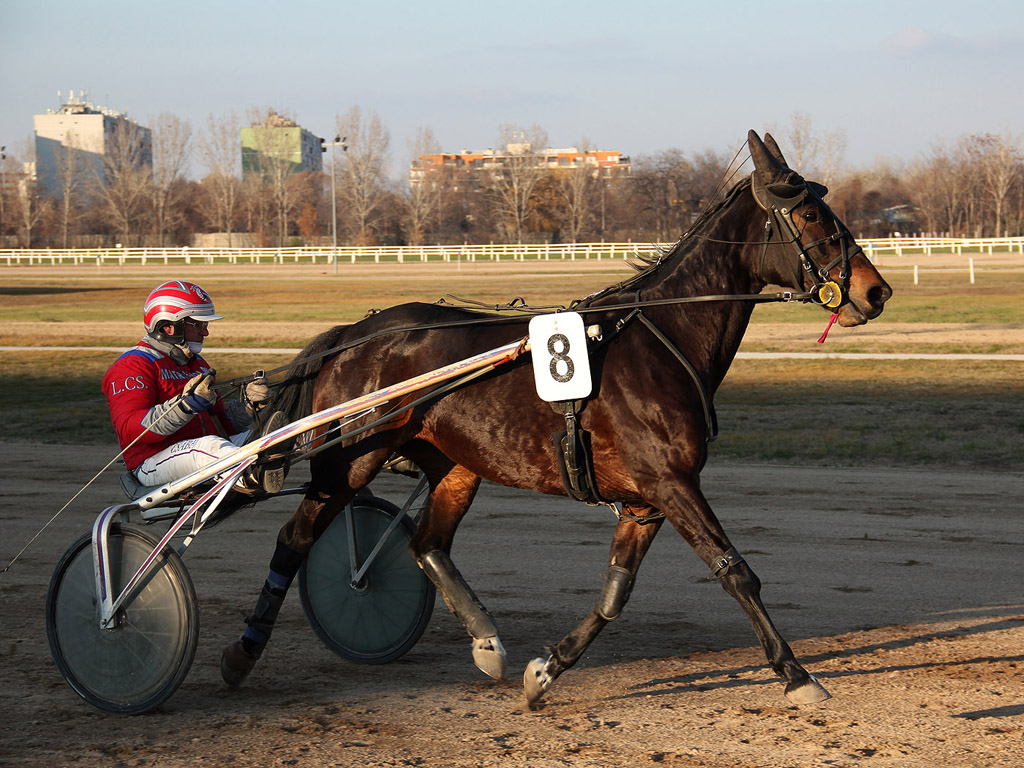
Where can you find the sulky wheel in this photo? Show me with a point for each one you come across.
(378, 619)
(138, 664)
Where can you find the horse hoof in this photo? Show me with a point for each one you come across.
(536, 680)
(808, 692)
(235, 664)
(489, 656)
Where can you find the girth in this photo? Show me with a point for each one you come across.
(573, 452)
(574, 455)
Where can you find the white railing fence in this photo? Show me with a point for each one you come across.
(911, 246)
(896, 246)
(326, 255)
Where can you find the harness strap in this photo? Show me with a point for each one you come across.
(756, 298)
(638, 519)
(710, 419)
(721, 565)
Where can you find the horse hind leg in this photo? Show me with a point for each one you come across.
(337, 474)
(449, 501)
(488, 652)
(239, 657)
(630, 543)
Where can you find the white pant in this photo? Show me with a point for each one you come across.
(186, 457)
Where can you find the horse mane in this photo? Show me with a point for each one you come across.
(648, 266)
(691, 238)
(294, 394)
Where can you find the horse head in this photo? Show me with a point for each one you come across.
(811, 248)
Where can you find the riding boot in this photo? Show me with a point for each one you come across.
(266, 474)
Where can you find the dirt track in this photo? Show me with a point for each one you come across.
(900, 590)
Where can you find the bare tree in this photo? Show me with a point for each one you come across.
(69, 172)
(833, 149)
(939, 187)
(123, 183)
(998, 159)
(28, 203)
(363, 182)
(709, 174)
(960, 182)
(424, 195)
(172, 139)
(955, 179)
(257, 205)
(658, 189)
(273, 158)
(32, 207)
(7, 190)
(925, 180)
(220, 152)
(801, 143)
(516, 177)
(811, 154)
(577, 188)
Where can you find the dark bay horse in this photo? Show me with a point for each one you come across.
(649, 416)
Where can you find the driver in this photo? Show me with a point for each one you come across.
(165, 411)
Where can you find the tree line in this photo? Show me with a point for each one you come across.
(972, 186)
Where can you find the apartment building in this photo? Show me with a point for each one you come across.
(603, 163)
(279, 144)
(80, 138)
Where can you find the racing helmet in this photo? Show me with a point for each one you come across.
(171, 303)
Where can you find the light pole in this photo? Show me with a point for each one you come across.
(3, 183)
(339, 141)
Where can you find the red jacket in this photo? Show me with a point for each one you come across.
(143, 377)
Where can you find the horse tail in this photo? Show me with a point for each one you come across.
(294, 395)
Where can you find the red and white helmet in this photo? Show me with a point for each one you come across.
(172, 302)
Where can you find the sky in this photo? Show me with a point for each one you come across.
(896, 77)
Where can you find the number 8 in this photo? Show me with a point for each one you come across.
(562, 356)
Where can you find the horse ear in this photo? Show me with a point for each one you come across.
(765, 163)
(766, 168)
(773, 147)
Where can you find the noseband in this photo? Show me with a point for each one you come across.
(780, 201)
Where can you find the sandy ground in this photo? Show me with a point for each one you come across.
(900, 590)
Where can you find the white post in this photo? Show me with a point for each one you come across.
(915, 274)
(971, 264)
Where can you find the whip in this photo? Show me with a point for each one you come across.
(107, 466)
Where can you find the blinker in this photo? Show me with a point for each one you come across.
(785, 197)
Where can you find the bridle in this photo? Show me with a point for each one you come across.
(780, 200)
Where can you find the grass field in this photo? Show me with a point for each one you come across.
(824, 412)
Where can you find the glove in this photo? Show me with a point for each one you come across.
(198, 394)
(256, 393)
(167, 418)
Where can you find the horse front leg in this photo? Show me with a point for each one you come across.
(741, 582)
(449, 501)
(630, 543)
(691, 515)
